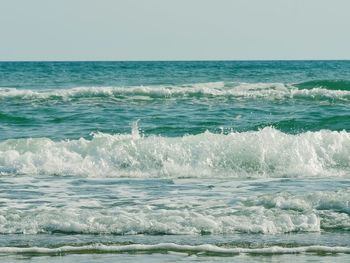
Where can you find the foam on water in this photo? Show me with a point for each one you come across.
(264, 153)
(184, 215)
(171, 247)
(156, 222)
(174, 188)
(212, 89)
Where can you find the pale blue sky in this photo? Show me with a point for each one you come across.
(174, 29)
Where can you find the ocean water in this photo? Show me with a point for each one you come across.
(175, 161)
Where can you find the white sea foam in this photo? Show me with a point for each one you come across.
(151, 221)
(171, 247)
(264, 153)
(338, 201)
(212, 89)
(180, 214)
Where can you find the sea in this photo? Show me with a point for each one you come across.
(168, 161)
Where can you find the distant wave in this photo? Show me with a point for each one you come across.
(326, 84)
(308, 90)
(264, 153)
(171, 247)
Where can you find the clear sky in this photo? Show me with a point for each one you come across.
(174, 29)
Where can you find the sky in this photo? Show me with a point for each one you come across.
(174, 29)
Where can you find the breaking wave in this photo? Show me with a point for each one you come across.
(308, 90)
(264, 153)
(266, 214)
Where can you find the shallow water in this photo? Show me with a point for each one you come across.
(175, 161)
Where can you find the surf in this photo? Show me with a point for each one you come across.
(203, 250)
(312, 90)
(265, 153)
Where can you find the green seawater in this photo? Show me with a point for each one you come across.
(175, 161)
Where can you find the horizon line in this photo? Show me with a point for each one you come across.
(179, 60)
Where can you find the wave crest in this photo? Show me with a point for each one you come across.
(307, 90)
(267, 153)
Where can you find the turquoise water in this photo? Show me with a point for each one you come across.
(170, 161)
